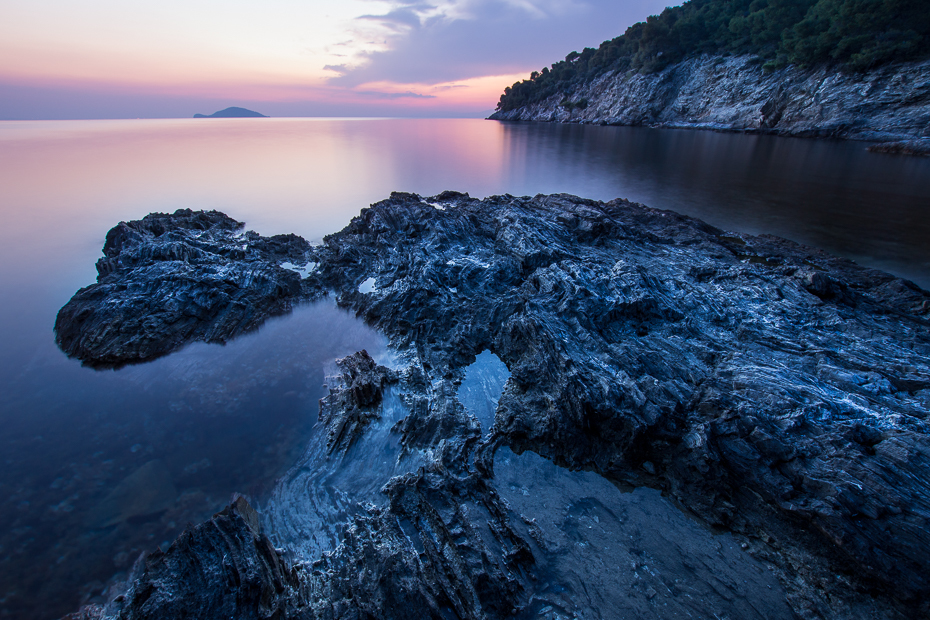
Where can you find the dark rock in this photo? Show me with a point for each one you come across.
(735, 365)
(772, 390)
(169, 279)
(443, 547)
(351, 406)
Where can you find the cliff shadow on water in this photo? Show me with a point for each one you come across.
(823, 193)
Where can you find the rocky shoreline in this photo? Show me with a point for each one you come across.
(734, 93)
(771, 391)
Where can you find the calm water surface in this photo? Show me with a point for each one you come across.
(80, 446)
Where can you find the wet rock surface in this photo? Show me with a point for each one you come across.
(769, 390)
(601, 548)
(734, 93)
(355, 402)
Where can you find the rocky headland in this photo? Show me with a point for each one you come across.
(735, 93)
(774, 393)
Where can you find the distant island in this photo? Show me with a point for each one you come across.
(232, 113)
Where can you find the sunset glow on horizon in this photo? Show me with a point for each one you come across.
(110, 59)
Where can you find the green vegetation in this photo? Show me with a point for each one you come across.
(854, 34)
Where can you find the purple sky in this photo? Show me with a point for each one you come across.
(110, 59)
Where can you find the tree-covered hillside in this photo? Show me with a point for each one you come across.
(854, 34)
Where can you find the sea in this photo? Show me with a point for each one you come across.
(99, 466)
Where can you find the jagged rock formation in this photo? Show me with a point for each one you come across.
(734, 93)
(166, 280)
(351, 406)
(772, 390)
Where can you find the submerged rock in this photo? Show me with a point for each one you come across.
(224, 568)
(771, 390)
(146, 491)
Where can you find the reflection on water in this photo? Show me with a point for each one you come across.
(480, 390)
(99, 465)
(310, 176)
(312, 502)
(833, 195)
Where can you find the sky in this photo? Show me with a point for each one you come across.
(82, 59)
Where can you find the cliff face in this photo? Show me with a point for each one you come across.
(733, 93)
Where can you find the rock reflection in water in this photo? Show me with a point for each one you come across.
(145, 450)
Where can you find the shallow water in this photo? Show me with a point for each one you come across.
(79, 446)
(480, 390)
(599, 548)
(633, 555)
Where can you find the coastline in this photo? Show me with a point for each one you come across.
(734, 93)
